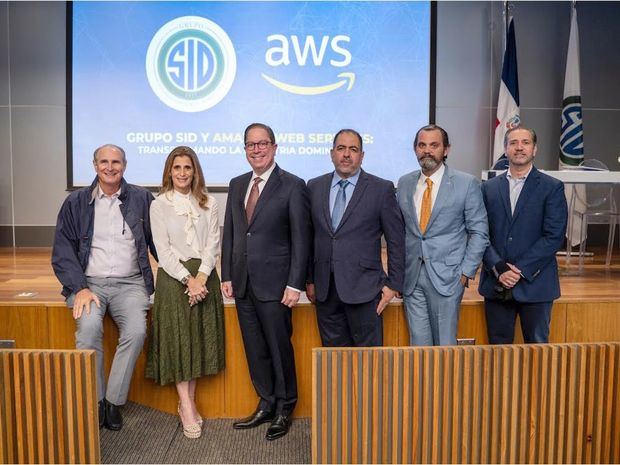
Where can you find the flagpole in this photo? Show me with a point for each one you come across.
(504, 43)
(505, 17)
(507, 115)
(507, 8)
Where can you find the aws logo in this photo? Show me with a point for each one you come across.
(191, 64)
(309, 51)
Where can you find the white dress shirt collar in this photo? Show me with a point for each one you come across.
(98, 193)
(264, 176)
(510, 176)
(435, 177)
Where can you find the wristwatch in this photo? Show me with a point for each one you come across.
(185, 280)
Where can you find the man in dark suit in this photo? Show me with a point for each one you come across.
(265, 250)
(527, 221)
(351, 210)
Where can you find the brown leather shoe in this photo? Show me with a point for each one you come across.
(257, 418)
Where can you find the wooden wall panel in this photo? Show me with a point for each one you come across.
(544, 403)
(472, 322)
(231, 394)
(305, 338)
(48, 407)
(593, 321)
(61, 328)
(27, 325)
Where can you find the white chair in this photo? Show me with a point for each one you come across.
(598, 207)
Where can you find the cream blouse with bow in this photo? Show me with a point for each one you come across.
(182, 230)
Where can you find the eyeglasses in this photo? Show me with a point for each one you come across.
(262, 145)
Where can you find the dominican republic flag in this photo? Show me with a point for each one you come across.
(508, 100)
(571, 137)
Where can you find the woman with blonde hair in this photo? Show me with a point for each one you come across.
(187, 331)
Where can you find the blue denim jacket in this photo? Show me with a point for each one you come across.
(74, 234)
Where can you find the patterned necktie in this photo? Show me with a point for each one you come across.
(340, 204)
(252, 199)
(427, 205)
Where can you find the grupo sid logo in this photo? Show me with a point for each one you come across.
(191, 64)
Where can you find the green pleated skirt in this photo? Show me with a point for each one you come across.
(185, 342)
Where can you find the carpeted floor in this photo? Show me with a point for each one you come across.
(150, 436)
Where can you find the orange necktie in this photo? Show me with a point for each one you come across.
(427, 205)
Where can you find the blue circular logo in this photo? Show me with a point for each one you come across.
(191, 64)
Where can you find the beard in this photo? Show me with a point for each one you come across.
(428, 163)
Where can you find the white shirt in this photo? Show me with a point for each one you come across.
(421, 188)
(182, 230)
(261, 185)
(516, 186)
(113, 251)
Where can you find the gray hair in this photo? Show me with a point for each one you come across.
(109, 146)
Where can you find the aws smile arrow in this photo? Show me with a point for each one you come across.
(313, 90)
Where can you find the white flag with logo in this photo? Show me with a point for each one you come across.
(571, 137)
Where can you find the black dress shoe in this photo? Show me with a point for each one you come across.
(113, 418)
(257, 418)
(101, 413)
(278, 428)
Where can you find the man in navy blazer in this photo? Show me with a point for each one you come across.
(447, 233)
(527, 221)
(265, 248)
(351, 210)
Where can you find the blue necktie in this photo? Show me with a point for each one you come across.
(340, 204)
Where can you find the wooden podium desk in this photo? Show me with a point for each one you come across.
(588, 311)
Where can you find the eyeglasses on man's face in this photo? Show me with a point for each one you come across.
(262, 145)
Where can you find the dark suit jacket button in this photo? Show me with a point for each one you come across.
(248, 234)
(424, 238)
(509, 239)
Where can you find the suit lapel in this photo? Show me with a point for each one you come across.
(325, 185)
(530, 186)
(444, 193)
(504, 192)
(270, 188)
(240, 194)
(409, 191)
(358, 192)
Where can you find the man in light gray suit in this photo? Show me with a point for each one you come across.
(446, 236)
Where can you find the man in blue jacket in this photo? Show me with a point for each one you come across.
(527, 222)
(101, 258)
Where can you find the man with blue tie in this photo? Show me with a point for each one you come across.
(351, 210)
(446, 235)
(527, 223)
